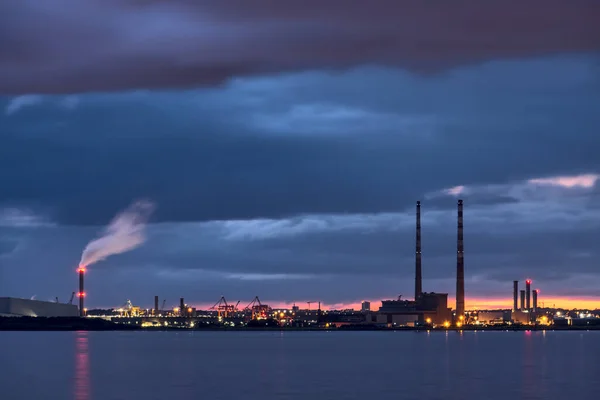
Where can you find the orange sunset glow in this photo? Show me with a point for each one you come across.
(488, 303)
(473, 303)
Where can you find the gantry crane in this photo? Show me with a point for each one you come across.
(129, 310)
(224, 309)
(258, 310)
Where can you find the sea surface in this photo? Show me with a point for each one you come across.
(299, 365)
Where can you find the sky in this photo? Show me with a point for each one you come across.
(283, 147)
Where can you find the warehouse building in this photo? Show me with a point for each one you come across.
(13, 307)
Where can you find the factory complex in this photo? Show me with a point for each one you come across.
(428, 310)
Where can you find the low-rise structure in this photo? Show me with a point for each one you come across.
(14, 307)
(429, 308)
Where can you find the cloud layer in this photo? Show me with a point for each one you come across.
(300, 185)
(242, 152)
(547, 233)
(112, 45)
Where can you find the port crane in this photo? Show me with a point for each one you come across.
(129, 310)
(258, 310)
(223, 308)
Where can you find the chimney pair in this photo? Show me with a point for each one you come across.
(460, 262)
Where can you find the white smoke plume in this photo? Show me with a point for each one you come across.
(124, 233)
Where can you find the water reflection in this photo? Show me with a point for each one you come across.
(529, 388)
(82, 367)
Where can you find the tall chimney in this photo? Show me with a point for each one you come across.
(528, 294)
(515, 295)
(460, 265)
(535, 304)
(81, 294)
(418, 277)
(156, 306)
(181, 307)
(319, 314)
(522, 300)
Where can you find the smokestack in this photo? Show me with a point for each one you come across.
(181, 307)
(535, 296)
(460, 265)
(156, 306)
(319, 314)
(418, 277)
(522, 300)
(81, 293)
(528, 294)
(515, 295)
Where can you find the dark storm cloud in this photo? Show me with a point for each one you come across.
(265, 148)
(65, 46)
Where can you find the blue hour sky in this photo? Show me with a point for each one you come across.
(285, 145)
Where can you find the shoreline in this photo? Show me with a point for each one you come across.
(33, 324)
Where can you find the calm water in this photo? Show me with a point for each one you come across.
(299, 365)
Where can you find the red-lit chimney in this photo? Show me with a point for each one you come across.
(81, 294)
(460, 265)
(418, 277)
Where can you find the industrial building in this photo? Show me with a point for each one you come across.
(527, 312)
(429, 308)
(14, 307)
(492, 317)
(426, 308)
(365, 306)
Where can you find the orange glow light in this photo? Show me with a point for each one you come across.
(473, 302)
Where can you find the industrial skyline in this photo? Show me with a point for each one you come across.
(434, 302)
(220, 195)
(459, 306)
(285, 157)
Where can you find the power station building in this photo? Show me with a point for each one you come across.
(14, 307)
(527, 312)
(429, 308)
(426, 308)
